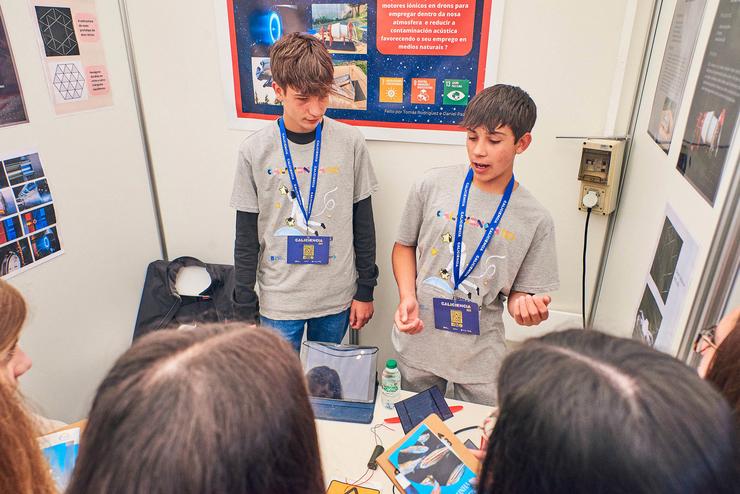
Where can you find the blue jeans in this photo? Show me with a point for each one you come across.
(330, 328)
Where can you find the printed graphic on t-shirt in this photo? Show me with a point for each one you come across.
(474, 284)
(292, 222)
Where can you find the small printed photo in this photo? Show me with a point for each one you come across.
(15, 256)
(667, 120)
(38, 219)
(23, 169)
(68, 81)
(349, 90)
(268, 25)
(7, 203)
(430, 465)
(666, 259)
(10, 229)
(262, 82)
(32, 194)
(341, 26)
(56, 25)
(45, 243)
(648, 319)
(708, 130)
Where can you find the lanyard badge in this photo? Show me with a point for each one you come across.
(462, 316)
(306, 211)
(305, 249)
(487, 237)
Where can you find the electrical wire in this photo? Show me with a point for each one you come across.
(583, 280)
(465, 429)
(378, 442)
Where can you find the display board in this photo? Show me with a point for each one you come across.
(82, 304)
(664, 223)
(397, 64)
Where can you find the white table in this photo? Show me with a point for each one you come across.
(346, 448)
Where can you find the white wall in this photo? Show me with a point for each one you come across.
(651, 182)
(82, 304)
(564, 55)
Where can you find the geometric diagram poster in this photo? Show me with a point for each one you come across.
(397, 65)
(674, 69)
(714, 109)
(12, 108)
(666, 285)
(28, 224)
(72, 53)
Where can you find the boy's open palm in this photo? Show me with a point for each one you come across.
(407, 317)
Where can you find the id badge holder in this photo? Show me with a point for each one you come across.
(308, 249)
(456, 315)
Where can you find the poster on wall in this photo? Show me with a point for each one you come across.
(714, 108)
(12, 107)
(72, 53)
(402, 70)
(657, 317)
(674, 70)
(28, 222)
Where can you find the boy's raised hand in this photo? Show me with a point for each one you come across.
(407, 316)
(528, 310)
(360, 313)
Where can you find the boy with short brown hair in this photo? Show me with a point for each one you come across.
(481, 238)
(305, 231)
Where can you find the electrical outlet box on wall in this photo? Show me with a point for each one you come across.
(599, 171)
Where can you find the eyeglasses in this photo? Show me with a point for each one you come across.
(705, 339)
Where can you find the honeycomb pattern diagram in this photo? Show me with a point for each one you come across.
(69, 81)
(57, 31)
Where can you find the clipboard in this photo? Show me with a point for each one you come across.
(435, 425)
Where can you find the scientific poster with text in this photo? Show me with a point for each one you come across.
(666, 285)
(679, 50)
(72, 53)
(715, 107)
(397, 64)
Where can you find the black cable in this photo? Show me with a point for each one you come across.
(464, 429)
(583, 281)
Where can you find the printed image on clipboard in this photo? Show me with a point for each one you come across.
(427, 465)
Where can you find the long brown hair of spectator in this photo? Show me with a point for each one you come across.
(213, 409)
(724, 371)
(23, 469)
(12, 315)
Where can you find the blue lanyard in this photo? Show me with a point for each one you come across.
(291, 170)
(460, 225)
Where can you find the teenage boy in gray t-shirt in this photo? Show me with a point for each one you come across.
(304, 230)
(481, 239)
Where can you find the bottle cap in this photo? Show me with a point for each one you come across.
(391, 364)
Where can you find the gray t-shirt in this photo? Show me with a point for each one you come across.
(520, 257)
(262, 185)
